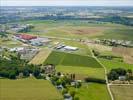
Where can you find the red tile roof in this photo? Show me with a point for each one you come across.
(27, 37)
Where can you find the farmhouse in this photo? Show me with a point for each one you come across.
(122, 78)
(49, 69)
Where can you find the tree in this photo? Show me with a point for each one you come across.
(64, 91)
(96, 53)
(12, 75)
(113, 75)
(26, 72)
(72, 93)
(59, 73)
(36, 72)
(76, 98)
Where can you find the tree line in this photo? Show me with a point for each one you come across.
(12, 66)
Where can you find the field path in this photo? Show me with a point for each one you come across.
(105, 70)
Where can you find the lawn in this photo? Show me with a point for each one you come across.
(28, 89)
(110, 64)
(41, 56)
(122, 92)
(68, 59)
(81, 72)
(92, 91)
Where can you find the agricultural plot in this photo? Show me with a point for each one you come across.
(68, 59)
(80, 29)
(122, 92)
(110, 64)
(41, 56)
(92, 91)
(9, 43)
(28, 89)
(81, 72)
(127, 53)
(122, 33)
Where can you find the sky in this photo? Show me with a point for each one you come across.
(66, 2)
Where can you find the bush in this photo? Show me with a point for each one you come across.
(95, 80)
(72, 93)
(78, 85)
(12, 75)
(96, 53)
(64, 91)
(59, 73)
(76, 98)
(36, 72)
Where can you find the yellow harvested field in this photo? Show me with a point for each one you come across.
(28, 89)
(127, 53)
(123, 50)
(124, 92)
(99, 47)
(41, 56)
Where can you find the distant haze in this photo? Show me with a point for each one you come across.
(66, 2)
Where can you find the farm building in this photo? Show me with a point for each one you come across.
(17, 49)
(49, 69)
(27, 37)
(70, 48)
(122, 78)
(39, 41)
(67, 48)
(24, 37)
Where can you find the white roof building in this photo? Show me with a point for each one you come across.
(70, 48)
(17, 49)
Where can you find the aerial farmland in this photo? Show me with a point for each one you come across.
(66, 58)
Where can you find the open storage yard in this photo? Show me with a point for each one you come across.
(124, 92)
(28, 89)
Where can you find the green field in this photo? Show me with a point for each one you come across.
(28, 89)
(68, 59)
(120, 33)
(110, 64)
(92, 91)
(122, 92)
(69, 29)
(81, 72)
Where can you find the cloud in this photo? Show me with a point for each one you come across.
(66, 2)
